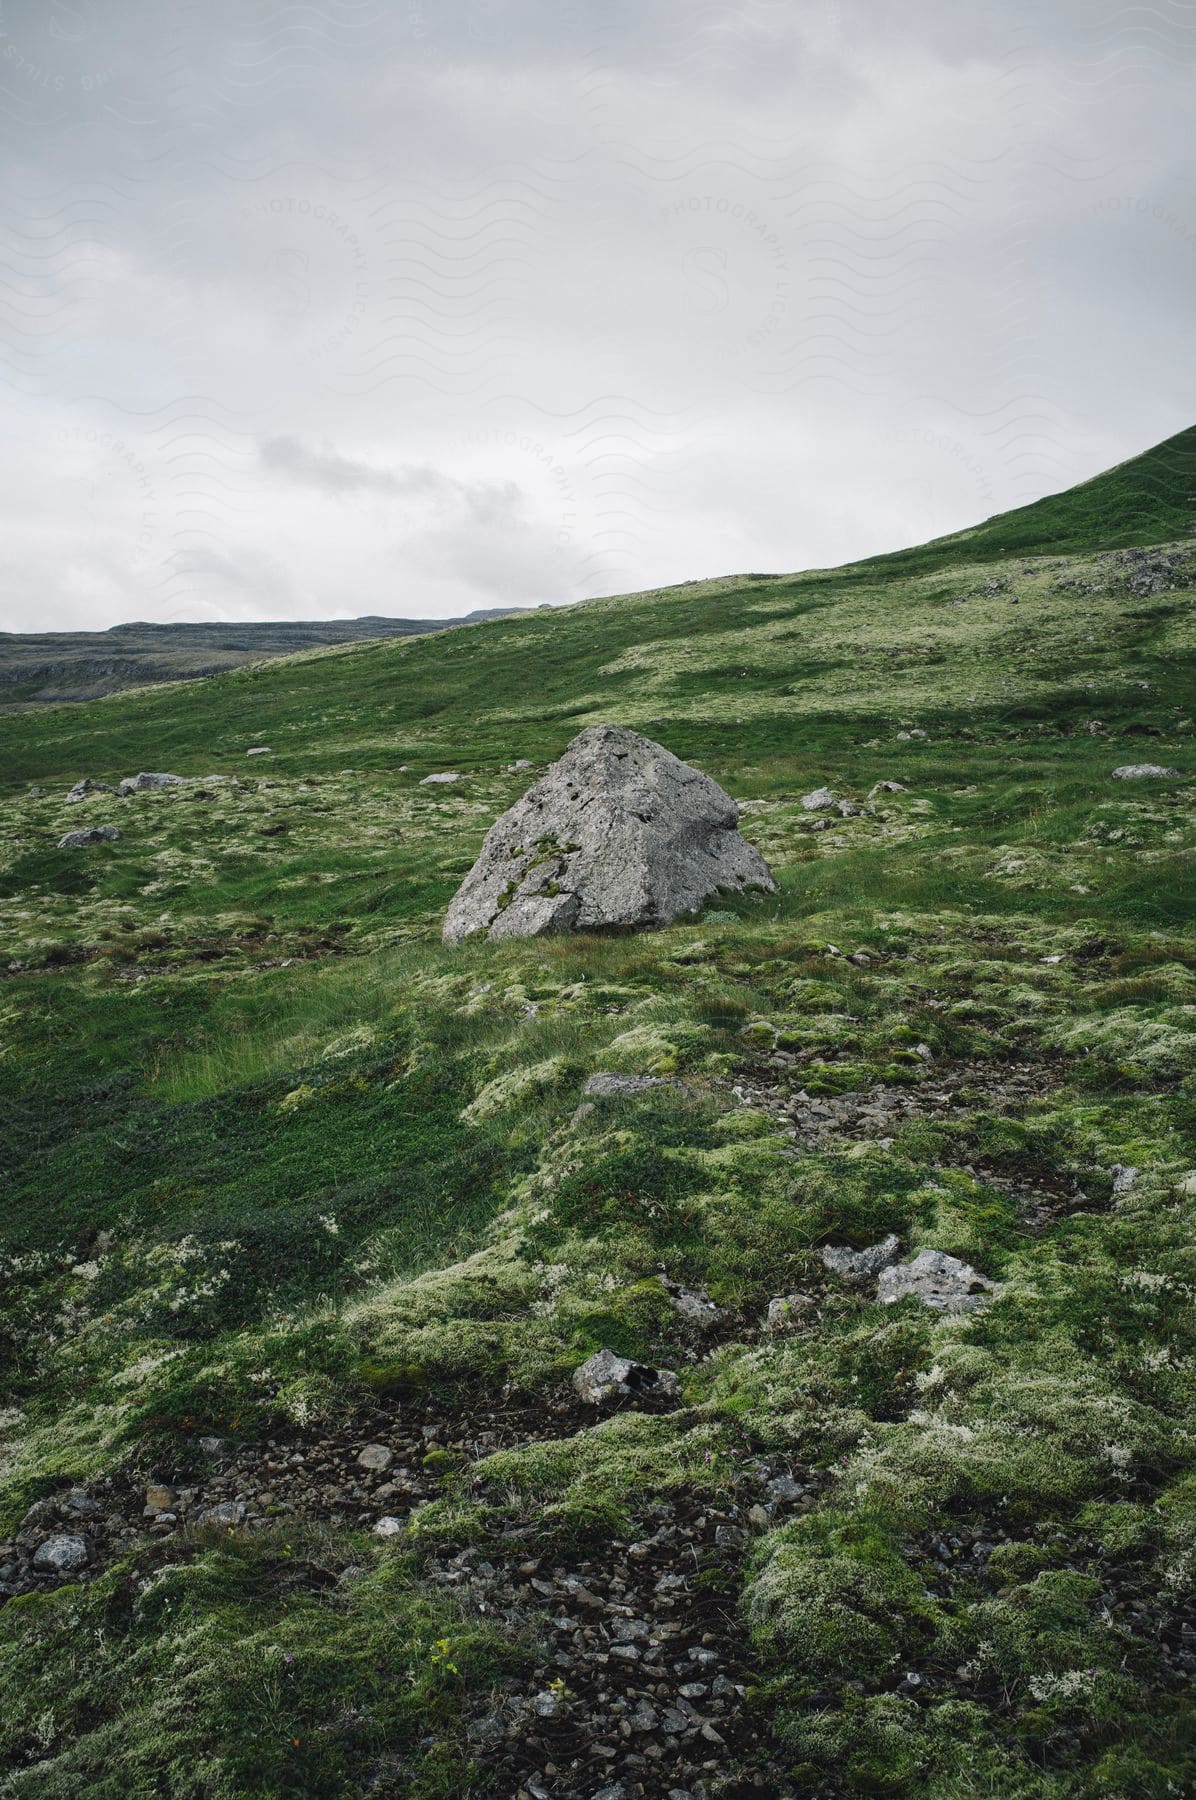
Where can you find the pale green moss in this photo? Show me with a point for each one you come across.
(509, 1089)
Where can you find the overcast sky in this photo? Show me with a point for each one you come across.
(416, 306)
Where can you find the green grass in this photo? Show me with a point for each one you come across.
(271, 1149)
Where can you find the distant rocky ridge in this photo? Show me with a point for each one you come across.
(41, 668)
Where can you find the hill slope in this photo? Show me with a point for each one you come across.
(1150, 499)
(287, 1179)
(38, 668)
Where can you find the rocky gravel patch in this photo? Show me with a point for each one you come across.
(384, 1463)
(639, 1681)
(1043, 1196)
(878, 1113)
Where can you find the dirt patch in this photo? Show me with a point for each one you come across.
(641, 1685)
(638, 1685)
(878, 1113)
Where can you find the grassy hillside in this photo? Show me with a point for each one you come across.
(40, 668)
(1148, 500)
(285, 1178)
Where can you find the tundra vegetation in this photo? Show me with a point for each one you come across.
(282, 1168)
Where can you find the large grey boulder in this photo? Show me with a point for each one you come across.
(618, 832)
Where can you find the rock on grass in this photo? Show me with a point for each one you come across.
(619, 832)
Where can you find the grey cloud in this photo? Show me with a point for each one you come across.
(335, 474)
(375, 309)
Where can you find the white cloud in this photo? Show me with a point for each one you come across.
(408, 310)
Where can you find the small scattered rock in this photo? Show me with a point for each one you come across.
(138, 784)
(260, 750)
(1144, 771)
(94, 834)
(818, 800)
(607, 1377)
(227, 1512)
(87, 786)
(520, 762)
(79, 1503)
(886, 787)
(159, 1498)
(388, 1526)
(1124, 1177)
(376, 1456)
(606, 1084)
(443, 779)
(696, 1307)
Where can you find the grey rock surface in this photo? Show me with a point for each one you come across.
(608, 1377)
(1142, 771)
(376, 1456)
(87, 786)
(605, 1084)
(861, 1265)
(140, 784)
(65, 1551)
(694, 1305)
(228, 1512)
(944, 1283)
(619, 832)
(92, 834)
(818, 800)
(260, 750)
(443, 778)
